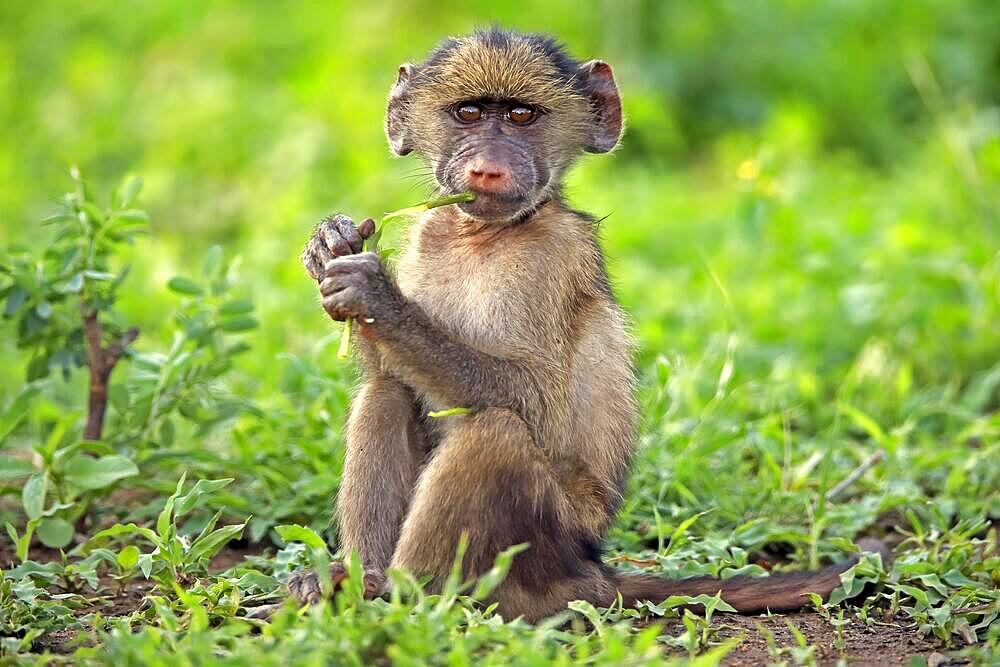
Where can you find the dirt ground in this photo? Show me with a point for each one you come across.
(888, 644)
(891, 644)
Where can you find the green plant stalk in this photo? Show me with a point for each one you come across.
(450, 412)
(372, 243)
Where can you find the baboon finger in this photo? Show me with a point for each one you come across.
(333, 284)
(334, 241)
(366, 228)
(315, 257)
(311, 264)
(349, 233)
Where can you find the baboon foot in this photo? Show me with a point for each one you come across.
(305, 588)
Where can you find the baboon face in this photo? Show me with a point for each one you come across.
(503, 115)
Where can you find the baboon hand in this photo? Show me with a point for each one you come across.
(335, 236)
(358, 286)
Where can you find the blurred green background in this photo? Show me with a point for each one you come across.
(806, 199)
(865, 124)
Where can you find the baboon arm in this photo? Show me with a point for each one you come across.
(368, 357)
(455, 374)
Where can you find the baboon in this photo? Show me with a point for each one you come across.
(501, 305)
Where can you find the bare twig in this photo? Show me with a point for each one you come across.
(855, 474)
(974, 610)
(102, 360)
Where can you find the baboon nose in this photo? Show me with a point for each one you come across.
(488, 177)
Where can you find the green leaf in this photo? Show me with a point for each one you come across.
(73, 285)
(747, 570)
(799, 637)
(127, 529)
(33, 495)
(865, 423)
(188, 501)
(44, 309)
(95, 214)
(236, 307)
(127, 192)
(589, 612)
(118, 396)
(257, 580)
(128, 557)
(132, 216)
(678, 537)
(54, 532)
(122, 275)
(167, 433)
(89, 473)
(21, 543)
(496, 574)
(920, 596)
(11, 532)
(57, 218)
(209, 545)
(957, 579)
(165, 519)
(146, 564)
(186, 286)
(243, 323)
(705, 600)
(296, 533)
(38, 368)
(213, 262)
(11, 468)
(15, 299)
(16, 410)
(209, 527)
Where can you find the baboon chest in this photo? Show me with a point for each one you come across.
(478, 298)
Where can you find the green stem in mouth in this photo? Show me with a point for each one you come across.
(372, 243)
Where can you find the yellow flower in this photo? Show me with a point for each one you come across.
(748, 170)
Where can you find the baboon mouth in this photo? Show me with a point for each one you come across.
(494, 206)
(495, 197)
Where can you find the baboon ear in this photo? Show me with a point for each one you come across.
(605, 106)
(396, 122)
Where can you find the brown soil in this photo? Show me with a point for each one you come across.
(888, 644)
(233, 555)
(112, 602)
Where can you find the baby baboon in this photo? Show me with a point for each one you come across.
(501, 305)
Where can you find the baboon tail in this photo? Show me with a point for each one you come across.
(787, 591)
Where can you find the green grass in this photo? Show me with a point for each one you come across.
(808, 245)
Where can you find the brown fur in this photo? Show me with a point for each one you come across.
(511, 317)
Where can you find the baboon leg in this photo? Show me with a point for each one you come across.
(384, 446)
(488, 479)
(384, 449)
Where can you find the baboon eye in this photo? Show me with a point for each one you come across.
(468, 113)
(521, 115)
